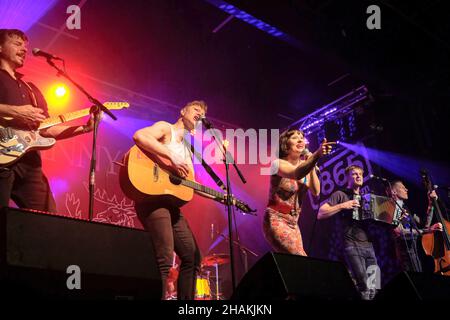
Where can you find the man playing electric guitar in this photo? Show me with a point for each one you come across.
(24, 104)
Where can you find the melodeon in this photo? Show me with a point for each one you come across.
(378, 208)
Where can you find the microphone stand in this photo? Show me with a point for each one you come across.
(97, 108)
(229, 203)
(243, 249)
(238, 244)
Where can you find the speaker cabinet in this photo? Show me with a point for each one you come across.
(278, 276)
(36, 250)
(416, 286)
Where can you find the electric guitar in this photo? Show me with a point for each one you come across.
(14, 143)
(142, 177)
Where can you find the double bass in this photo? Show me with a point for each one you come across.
(437, 244)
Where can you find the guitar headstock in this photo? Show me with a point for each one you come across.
(242, 206)
(116, 105)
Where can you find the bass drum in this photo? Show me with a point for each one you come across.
(202, 288)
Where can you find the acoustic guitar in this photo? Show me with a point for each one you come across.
(147, 177)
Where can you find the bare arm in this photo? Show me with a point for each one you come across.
(327, 211)
(61, 132)
(288, 170)
(149, 139)
(313, 183)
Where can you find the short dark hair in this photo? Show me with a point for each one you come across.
(391, 186)
(4, 33)
(283, 141)
(395, 181)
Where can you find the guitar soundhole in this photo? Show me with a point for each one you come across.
(175, 180)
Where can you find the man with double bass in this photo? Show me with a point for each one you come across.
(437, 245)
(411, 228)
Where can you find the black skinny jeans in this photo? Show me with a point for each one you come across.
(29, 190)
(169, 232)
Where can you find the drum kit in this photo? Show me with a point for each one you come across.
(204, 279)
(203, 282)
(207, 286)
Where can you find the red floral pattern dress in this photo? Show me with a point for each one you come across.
(280, 224)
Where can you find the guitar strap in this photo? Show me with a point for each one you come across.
(208, 169)
(31, 94)
(34, 103)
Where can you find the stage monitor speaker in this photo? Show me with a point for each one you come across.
(278, 276)
(416, 286)
(36, 251)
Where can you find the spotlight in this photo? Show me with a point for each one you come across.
(60, 91)
(57, 96)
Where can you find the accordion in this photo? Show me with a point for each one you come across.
(378, 208)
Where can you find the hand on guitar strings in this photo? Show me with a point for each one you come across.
(179, 165)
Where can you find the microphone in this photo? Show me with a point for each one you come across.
(39, 53)
(212, 231)
(206, 122)
(306, 152)
(372, 176)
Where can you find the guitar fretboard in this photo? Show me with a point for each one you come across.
(55, 120)
(197, 186)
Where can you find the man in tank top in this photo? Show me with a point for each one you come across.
(168, 229)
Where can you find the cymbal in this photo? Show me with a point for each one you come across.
(216, 258)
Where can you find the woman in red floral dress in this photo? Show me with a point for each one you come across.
(293, 174)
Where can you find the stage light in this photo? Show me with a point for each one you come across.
(402, 166)
(342, 108)
(57, 97)
(244, 16)
(60, 91)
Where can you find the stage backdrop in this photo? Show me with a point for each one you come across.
(67, 168)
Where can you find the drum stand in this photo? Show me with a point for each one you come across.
(217, 281)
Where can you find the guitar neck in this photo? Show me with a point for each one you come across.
(219, 196)
(202, 188)
(55, 120)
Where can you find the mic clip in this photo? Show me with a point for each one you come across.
(206, 123)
